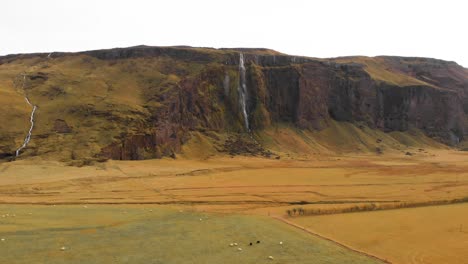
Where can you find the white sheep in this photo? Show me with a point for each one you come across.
(240, 249)
(271, 257)
(281, 243)
(63, 248)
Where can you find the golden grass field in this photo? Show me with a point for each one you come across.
(268, 187)
(434, 234)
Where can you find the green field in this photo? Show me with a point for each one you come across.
(151, 234)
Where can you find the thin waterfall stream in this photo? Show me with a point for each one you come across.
(243, 96)
(31, 119)
(242, 88)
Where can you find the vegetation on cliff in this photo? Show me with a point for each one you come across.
(148, 102)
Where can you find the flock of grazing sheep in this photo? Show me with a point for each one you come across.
(251, 244)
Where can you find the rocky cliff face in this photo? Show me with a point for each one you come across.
(144, 102)
(311, 93)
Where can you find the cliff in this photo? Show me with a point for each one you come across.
(149, 102)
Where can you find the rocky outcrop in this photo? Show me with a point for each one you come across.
(61, 126)
(439, 113)
(163, 141)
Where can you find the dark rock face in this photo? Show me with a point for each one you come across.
(437, 112)
(163, 141)
(314, 92)
(60, 126)
(353, 96)
(282, 84)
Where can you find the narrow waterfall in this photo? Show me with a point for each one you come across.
(243, 91)
(31, 119)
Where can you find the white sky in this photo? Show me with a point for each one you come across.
(322, 28)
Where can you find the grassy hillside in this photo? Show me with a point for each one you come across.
(343, 137)
(144, 102)
(98, 100)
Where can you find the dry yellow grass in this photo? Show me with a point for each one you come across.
(435, 234)
(379, 70)
(342, 138)
(253, 183)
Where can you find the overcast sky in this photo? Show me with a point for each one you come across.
(325, 28)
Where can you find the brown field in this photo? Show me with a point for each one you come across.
(229, 184)
(259, 186)
(435, 234)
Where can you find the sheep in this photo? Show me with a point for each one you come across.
(250, 243)
(2, 239)
(235, 244)
(258, 241)
(281, 243)
(271, 257)
(63, 248)
(239, 249)
(231, 245)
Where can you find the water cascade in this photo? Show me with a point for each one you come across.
(28, 136)
(242, 88)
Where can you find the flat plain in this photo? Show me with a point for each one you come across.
(241, 196)
(153, 234)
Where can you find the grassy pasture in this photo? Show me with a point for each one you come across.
(152, 234)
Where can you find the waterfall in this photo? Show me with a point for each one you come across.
(243, 92)
(31, 119)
